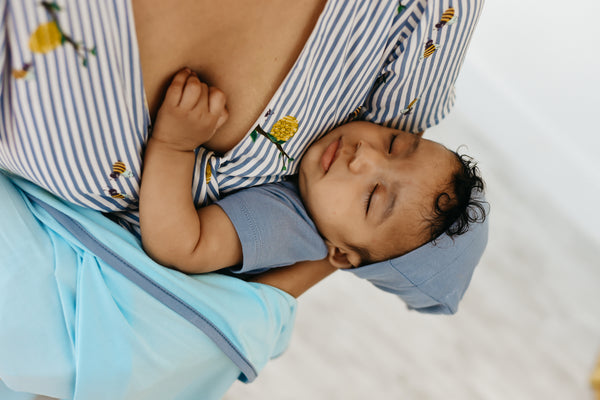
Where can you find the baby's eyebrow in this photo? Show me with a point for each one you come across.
(415, 143)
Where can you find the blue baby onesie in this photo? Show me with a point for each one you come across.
(273, 226)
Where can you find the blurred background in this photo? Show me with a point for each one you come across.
(529, 326)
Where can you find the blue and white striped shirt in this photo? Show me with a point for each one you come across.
(74, 118)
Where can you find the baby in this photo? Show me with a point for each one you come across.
(368, 194)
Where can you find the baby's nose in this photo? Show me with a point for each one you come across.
(365, 158)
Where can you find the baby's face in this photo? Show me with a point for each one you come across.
(372, 188)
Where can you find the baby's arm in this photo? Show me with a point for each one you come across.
(174, 233)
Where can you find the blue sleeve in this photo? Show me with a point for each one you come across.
(273, 226)
(415, 88)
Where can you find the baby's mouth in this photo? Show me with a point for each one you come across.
(330, 154)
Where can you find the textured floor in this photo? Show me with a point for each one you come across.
(528, 328)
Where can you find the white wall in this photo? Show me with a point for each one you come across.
(531, 83)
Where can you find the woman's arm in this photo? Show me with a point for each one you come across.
(174, 233)
(298, 278)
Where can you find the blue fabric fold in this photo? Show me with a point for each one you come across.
(73, 327)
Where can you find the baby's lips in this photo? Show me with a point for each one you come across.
(329, 155)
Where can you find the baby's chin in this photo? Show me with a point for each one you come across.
(302, 179)
(309, 169)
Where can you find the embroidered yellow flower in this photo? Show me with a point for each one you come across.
(45, 38)
(285, 128)
(50, 35)
(281, 132)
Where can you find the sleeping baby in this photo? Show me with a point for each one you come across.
(366, 198)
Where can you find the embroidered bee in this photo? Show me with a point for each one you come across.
(120, 169)
(282, 131)
(430, 48)
(49, 36)
(208, 173)
(268, 113)
(381, 79)
(410, 106)
(448, 19)
(25, 73)
(354, 114)
(115, 194)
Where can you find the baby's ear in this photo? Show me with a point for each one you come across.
(342, 259)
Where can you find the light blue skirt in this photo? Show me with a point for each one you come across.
(71, 326)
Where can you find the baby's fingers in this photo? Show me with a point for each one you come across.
(175, 89)
(195, 93)
(217, 105)
(216, 100)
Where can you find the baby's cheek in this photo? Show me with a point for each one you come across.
(329, 202)
(337, 208)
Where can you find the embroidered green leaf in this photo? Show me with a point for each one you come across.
(54, 6)
(254, 135)
(274, 140)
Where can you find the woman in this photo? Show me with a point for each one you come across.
(77, 113)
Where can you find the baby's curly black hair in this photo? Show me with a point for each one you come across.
(454, 212)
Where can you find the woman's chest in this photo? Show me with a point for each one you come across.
(244, 48)
(292, 91)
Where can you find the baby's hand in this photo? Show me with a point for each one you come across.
(190, 114)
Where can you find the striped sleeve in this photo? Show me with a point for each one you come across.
(415, 87)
